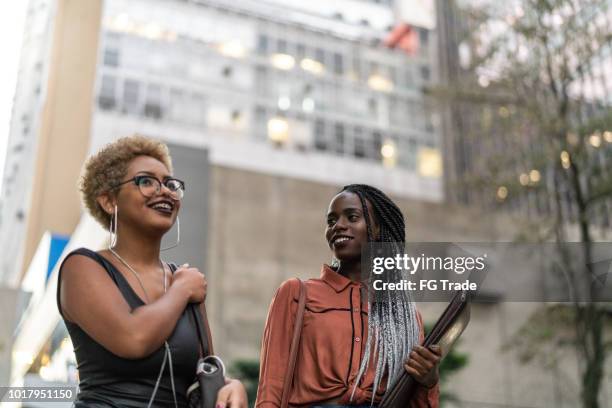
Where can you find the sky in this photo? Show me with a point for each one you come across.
(12, 17)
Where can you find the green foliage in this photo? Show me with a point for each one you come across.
(451, 364)
(247, 371)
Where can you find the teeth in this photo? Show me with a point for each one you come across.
(341, 239)
(164, 206)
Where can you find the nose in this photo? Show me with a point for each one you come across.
(165, 191)
(339, 225)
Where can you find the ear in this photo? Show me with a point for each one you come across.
(107, 201)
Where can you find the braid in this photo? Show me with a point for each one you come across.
(392, 326)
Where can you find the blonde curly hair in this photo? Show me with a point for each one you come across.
(109, 165)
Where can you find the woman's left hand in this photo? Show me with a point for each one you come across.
(232, 395)
(423, 364)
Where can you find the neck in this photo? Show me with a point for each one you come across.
(138, 248)
(351, 270)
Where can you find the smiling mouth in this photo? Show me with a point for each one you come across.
(340, 240)
(164, 207)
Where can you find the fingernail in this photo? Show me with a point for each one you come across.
(186, 265)
(219, 405)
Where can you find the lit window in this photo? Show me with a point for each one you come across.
(388, 151)
(308, 105)
(380, 83)
(312, 66)
(284, 103)
(278, 130)
(429, 162)
(233, 49)
(283, 61)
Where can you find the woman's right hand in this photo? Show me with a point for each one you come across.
(192, 281)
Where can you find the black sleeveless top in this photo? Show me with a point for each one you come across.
(107, 380)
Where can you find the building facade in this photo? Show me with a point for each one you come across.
(268, 107)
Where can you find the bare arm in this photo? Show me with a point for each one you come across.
(89, 298)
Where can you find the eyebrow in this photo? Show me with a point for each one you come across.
(148, 173)
(345, 210)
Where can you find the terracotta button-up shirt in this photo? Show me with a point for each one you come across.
(332, 345)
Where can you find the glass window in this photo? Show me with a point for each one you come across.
(359, 147)
(300, 51)
(423, 37)
(131, 95)
(106, 99)
(339, 138)
(262, 44)
(425, 73)
(176, 105)
(282, 46)
(260, 123)
(338, 64)
(111, 57)
(153, 106)
(377, 145)
(320, 138)
(320, 55)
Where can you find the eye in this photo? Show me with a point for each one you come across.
(330, 222)
(144, 181)
(173, 185)
(353, 217)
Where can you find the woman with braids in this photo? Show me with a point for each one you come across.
(354, 344)
(125, 309)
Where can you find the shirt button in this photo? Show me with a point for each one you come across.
(357, 339)
(356, 310)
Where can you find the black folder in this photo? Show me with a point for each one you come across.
(445, 333)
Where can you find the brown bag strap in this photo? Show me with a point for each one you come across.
(297, 331)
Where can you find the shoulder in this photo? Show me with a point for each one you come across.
(82, 252)
(80, 259)
(289, 289)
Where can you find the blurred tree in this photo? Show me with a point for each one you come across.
(453, 362)
(247, 371)
(538, 143)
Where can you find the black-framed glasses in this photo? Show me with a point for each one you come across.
(150, 186)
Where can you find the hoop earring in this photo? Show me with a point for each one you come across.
(112, 229)
(178, 235)
(335, 264)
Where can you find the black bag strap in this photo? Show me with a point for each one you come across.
(202, 328)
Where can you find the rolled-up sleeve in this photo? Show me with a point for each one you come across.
(276, 343)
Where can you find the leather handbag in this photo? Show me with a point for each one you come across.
(210, 370)
(295, 343)
(445, 333)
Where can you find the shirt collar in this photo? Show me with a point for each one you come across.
(337, 281)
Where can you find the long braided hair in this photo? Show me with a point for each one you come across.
(392, 325)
